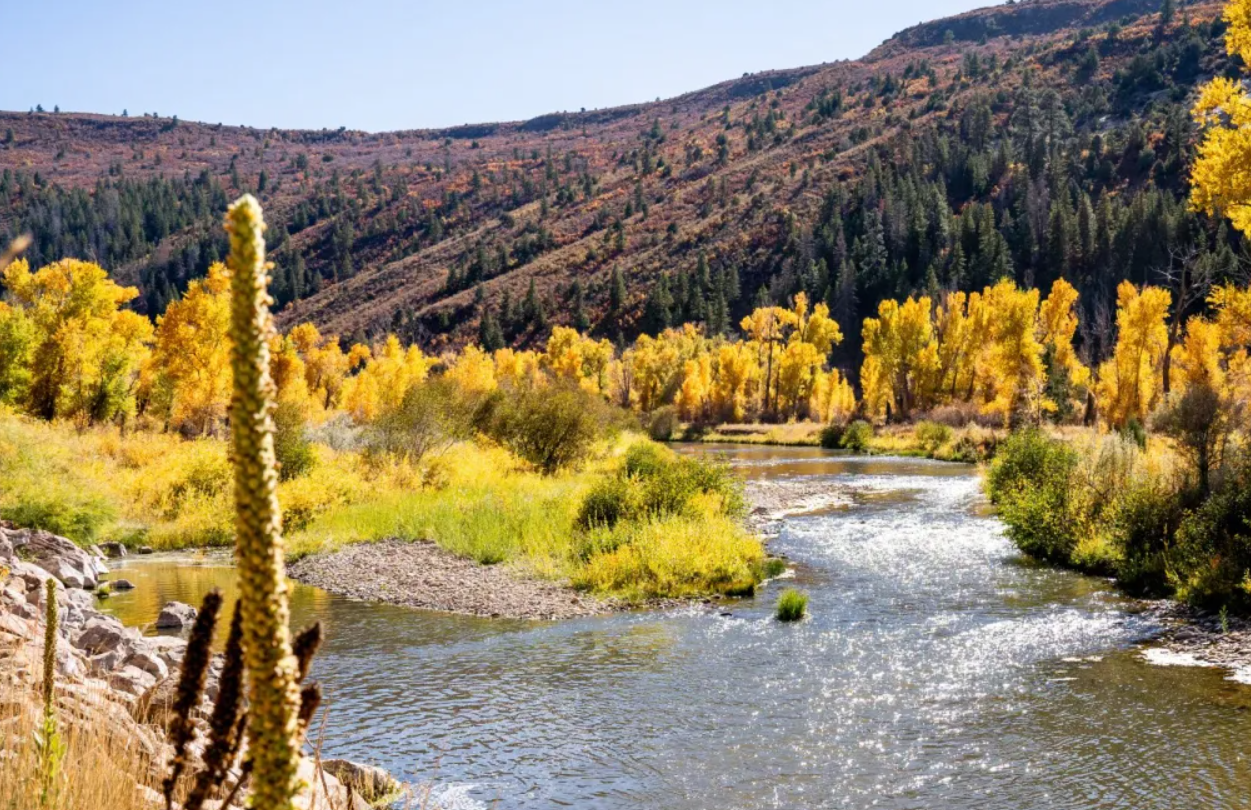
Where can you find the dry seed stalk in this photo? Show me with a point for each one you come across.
(273, 730)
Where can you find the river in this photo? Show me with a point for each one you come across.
(937, 670)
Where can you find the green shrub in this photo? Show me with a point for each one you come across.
(792, 605)
(553, 428)
(608, 502)
(857, 436)
(832, 435)
(1212, 559)
(431, 417)
(663, 424)
(1135, 432)
(79, 519)
(931, 435)
(645, 460)
(292, 449)
(1030, 483)
(653, 482)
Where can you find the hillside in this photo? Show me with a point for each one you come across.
(1039, 139)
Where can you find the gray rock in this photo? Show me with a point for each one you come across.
(148, 661)
(144, 550)
(121, 585)
(57, 555)
(176, 616)
(102, 634)
(131, 680)
(371, 782)
(113, 550)
(107, 661)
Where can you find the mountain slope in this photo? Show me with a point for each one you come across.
(1037, 139)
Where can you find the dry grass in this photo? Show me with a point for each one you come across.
(105, 766)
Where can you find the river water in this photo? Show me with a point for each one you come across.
(937, 670)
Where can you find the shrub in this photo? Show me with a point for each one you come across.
(792, 605)
(645, 460)
(832, 435)
(79, 519)
(292, 448)
(1202, 422)
(932, 435)
(663, 423)
(430, 418)
(553, 428)
(654, 482)
(1213, 547)
(1030, 483)
(974, 445)
(857, 436)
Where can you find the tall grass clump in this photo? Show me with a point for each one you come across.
(792, 605)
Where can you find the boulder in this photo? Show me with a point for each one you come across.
(371, 782)
(144, 550)
(148, 661)
(176, 616)
(122, 585)
(113, 550)
(14, 626)
(57, 555)
(131, 680)
(102, 634)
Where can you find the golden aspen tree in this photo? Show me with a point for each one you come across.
(695, 394)
(1197, 358)
(87, 350)
(900, 340)
(1129, 382)
(473, 370)
(962, 332)
(519, 370)
(325, 365)
(875, 388)
(273, 676)
(737, 381)
(579, 359)
(387, 375)
(190, 362)
(768, 328)
(1220, 183)
(833, 399)
(1015, 355)
(17, 345)
(1057, 324)
(1232, 306)
(798, 366)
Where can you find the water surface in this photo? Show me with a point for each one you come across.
(937, 670)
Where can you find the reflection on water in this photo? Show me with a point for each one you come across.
(937, 671)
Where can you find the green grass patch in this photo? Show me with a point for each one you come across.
(792, 605)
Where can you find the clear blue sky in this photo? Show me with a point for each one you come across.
(388, 64)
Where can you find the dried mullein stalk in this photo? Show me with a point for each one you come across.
(274, 696)
(224, 727)
(306, 646)
(190, 687)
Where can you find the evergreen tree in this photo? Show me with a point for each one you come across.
(658, 311)
(490, 336)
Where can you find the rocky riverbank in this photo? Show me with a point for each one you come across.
(109, 675)
(422, 575)
(1195, 637)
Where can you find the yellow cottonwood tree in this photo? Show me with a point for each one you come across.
(735, 390)
(900, 342)
(1220, 182)
(1015, 353)
(1130, 382)
(87, 349)
(189, 370)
